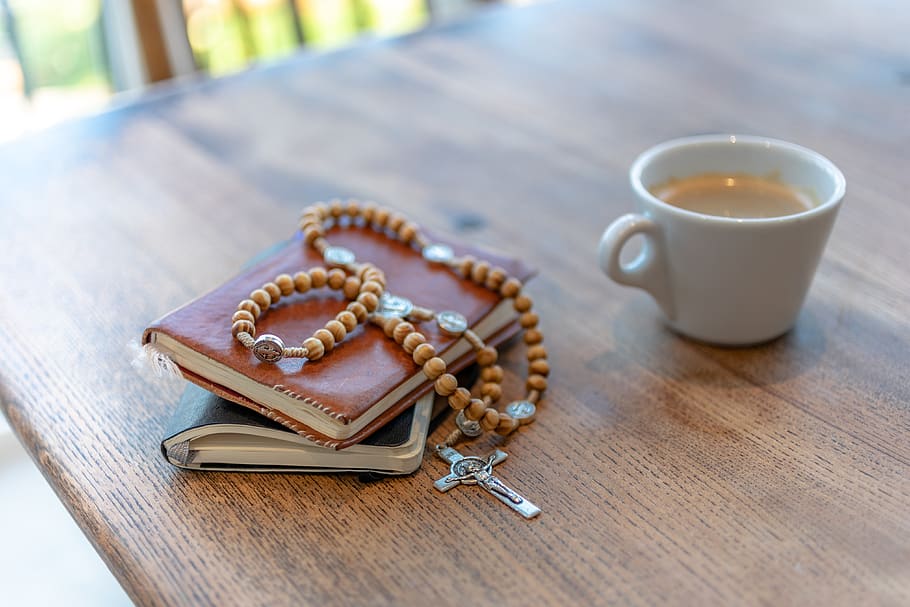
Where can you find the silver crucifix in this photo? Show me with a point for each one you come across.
(470, 470)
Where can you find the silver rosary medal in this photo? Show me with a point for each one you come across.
(522, 410)
(438, 253)
(338, 256)
(394, 306)
(451, 322)
(268, 348)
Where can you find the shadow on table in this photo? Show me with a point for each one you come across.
(642, 337)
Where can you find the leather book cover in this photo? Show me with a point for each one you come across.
(360, 371)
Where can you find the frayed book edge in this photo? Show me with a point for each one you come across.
(152, 363)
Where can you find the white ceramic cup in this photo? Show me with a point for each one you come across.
(725, 280)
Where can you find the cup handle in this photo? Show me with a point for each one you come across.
(649, 270)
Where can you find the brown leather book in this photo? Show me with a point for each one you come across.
(366, 380)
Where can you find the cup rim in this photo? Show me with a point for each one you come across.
(646, 157)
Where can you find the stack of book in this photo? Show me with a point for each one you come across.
(363, 407)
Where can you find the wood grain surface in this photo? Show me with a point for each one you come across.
(669, 472)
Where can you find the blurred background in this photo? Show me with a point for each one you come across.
(64, 58)
(61, 58)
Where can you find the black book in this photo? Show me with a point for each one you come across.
(208, 432)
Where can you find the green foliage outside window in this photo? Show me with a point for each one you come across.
(227, 35)
(59, 43)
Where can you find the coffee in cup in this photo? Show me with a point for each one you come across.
(739, 195)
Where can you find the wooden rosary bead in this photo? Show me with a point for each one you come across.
(540, 367)
(510, 288)
(395, 222)
(338, 330)
(401, 331)
(506, 425)
(318, 277)
(434, 367)
(243, 315)
(407, 233)
(372, 274)
(273, 290)
(311, 230)
(369, 301)
(487, 356)
(460, 399)
(302, 282)
(479, 272)
(465, 265)
(412, 341)
(326, 337)
(262, 298)
(347, 318)
(336, 278)
(250, 306)
(243, 326)
(314, 348)
(375, 276)
(311, 234)
(371, 286)
(535, 352)
(336, 209)
(351, 287)
(522, 303)
(381, 216)
(492, 374)
(475, 410)
(533, 337)
(352, 208)
(529, 320)
(490, 420)
(388, 326)
(491, 390)
(495, 278)
(367, 212)
(285, 284)
(423, 352)
(537, 382)
(359, 311)
(446, 384)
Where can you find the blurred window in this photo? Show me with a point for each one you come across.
(61, 58)
(52, 62)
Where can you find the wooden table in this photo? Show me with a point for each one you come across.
(669, 472)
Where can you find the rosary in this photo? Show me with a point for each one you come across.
(364, 286)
